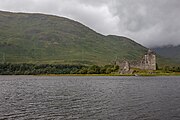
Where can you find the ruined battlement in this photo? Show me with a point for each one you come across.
(148, 62)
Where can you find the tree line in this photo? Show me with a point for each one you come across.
(35, 69)
(168, 69)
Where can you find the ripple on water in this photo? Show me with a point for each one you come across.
(125, 98)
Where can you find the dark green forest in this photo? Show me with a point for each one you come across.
(37, 69)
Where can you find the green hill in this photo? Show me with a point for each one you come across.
(39, 38)
(169, 51)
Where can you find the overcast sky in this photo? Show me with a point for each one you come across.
(148, 22)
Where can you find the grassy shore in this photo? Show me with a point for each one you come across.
(160, 74)
(136, 74)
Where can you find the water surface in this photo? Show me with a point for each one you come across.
(89, 98)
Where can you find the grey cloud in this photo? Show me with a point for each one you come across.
(152, 22)
(149, 22)
(95, 3)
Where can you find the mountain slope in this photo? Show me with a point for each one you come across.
(39, 38)
(169, 51)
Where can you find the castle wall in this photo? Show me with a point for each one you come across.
(148, 62)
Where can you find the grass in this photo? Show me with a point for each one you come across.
(139, 74)
(39, 38)
(32, 38)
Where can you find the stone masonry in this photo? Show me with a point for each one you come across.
(148, 62)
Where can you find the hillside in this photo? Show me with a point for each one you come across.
(169, 51)
(39, 38)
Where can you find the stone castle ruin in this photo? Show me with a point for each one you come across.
(148, 62)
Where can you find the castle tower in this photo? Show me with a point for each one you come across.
(149, 62)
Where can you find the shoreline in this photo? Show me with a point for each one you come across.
(135, 75)
(123, 75)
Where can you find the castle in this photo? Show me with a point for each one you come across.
(148, 62)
